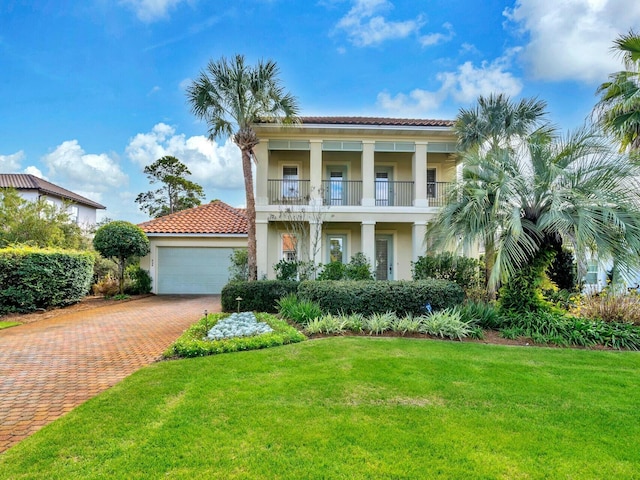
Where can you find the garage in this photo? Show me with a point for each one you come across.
(193, 270)
(190, 250)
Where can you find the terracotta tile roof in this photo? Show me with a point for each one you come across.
(377, 121)
(213, 218)
(25, 181)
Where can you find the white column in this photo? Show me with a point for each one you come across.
(418, 236)
(262, 172)
(262, 252)
(368, 176)
(419, 167)
(368, 239)
(315, 174)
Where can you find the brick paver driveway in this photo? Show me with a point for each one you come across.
(49, 367)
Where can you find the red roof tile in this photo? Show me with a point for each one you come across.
(377, 121)
(211, 218)
(25, 181)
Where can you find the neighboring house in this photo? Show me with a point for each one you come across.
(191, 249)
(81, 210)
(375, 182)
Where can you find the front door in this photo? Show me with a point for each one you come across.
(384, 186)
(384, 257)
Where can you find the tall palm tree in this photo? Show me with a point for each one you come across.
(494, 124)
(532, 199)
(618, 110)
(231, 96)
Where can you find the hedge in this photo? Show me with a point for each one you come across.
(35, 278)
(402, 297)
(258, 296)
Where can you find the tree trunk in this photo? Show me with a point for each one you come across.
(122, 259)
(251, 214)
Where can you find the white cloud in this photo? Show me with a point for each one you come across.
(463, 86)
(437, 38)
(572, 39)
(151, 10)
(211, 165)
(88, 174)
(365, 26)
(11, 163)
(33, 170)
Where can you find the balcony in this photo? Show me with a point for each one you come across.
(438, 193)
(342, 192)
(349, 192)
(289, 192)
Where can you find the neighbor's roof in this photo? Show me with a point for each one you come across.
(25, 181)
(377, 121)
(212, 218)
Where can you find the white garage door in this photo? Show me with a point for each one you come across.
(193, 270)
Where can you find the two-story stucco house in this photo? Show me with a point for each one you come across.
(81, 210)
(375, 182)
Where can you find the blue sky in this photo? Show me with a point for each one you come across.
(91, 91)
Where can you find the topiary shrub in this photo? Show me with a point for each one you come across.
(34, 278)
(258, 296)
(137, 281)
(401, 297)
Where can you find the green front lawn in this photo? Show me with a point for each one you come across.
(355, 407)
(6, 324)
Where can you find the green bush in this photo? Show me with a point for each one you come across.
(333, 271)
(358, 268)
(402, 297)
(299, 311)
(482, 314)
(447, 266)
(192, 343)
(258, 296)
(33, 278)
(239, 268)
(286, 270)
(445, 323)
(137, 281)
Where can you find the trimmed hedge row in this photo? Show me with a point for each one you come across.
(259, 296)
(402, 297)
(32, 278)
(364, 297)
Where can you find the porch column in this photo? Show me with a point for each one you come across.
(368, 241)
(262, 242)
(418, 236)
(368, 176)
(262, 172)
(315, 174)
(419, 167)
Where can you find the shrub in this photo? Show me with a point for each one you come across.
(407, 324)
(333, 271)
(286, 270)
(378, 323)
(138, 280)
(299, 311)
(482, 314)
(563, 271)
(32, 278)
(192, 343)
(380, 296)
(609, 307)
(107, 287)
(445, 323)
(327, 324)
(258, 296)
(358, 268)
(447, 266)
(239, 268)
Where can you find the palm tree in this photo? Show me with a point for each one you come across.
(495, 123)
(534, 198)
(231, 96)
(618, 110)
